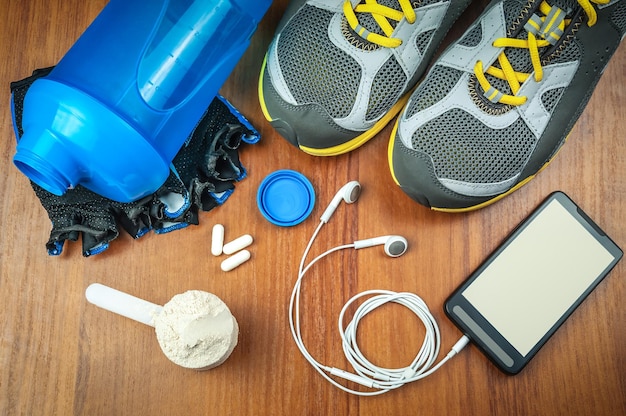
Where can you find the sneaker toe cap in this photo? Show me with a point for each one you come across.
(414, 172)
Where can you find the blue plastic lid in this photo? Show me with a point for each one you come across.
(285, 197)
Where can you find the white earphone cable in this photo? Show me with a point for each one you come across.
(368, 374)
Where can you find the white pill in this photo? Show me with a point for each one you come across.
(237, 244)
(235, 260)
(217, 239)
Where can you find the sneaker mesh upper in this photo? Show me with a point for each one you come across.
(386, 88)
(551, 98)
(316, 71)
(423, 40)
(458, 144)
(462, 147)
(472, 37)
(479, 148)
(331, 78)
(619, 17)
(429, 93)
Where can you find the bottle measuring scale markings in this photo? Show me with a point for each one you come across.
(121, 103)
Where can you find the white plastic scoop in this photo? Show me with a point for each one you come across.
(195, 329)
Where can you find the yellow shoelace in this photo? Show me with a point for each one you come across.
(382, 15)
(543, 31)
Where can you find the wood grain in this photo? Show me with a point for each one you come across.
(60, 355)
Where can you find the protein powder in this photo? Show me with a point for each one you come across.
(196, 330)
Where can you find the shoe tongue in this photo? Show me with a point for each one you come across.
(520, 57)
(367, 20)
(566, 5)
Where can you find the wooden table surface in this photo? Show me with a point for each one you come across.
(60, 355)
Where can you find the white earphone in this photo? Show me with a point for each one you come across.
(349, 193)
(366, 374)
(395, 245)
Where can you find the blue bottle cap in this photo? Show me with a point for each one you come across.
(285, 198)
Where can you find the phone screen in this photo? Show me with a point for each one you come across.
(527, 288)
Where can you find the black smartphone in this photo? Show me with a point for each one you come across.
(511, 305)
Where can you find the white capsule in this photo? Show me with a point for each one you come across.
(217, 239)
(235, 260)
(237, 244)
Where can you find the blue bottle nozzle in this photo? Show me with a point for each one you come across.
(54, 177)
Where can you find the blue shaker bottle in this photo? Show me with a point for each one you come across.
(120, 104)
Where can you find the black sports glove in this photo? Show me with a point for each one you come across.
(201, 177)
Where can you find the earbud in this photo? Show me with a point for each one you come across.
(395, 245)
(349, 193)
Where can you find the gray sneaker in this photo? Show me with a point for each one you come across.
(498, 104)
(338, 71)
